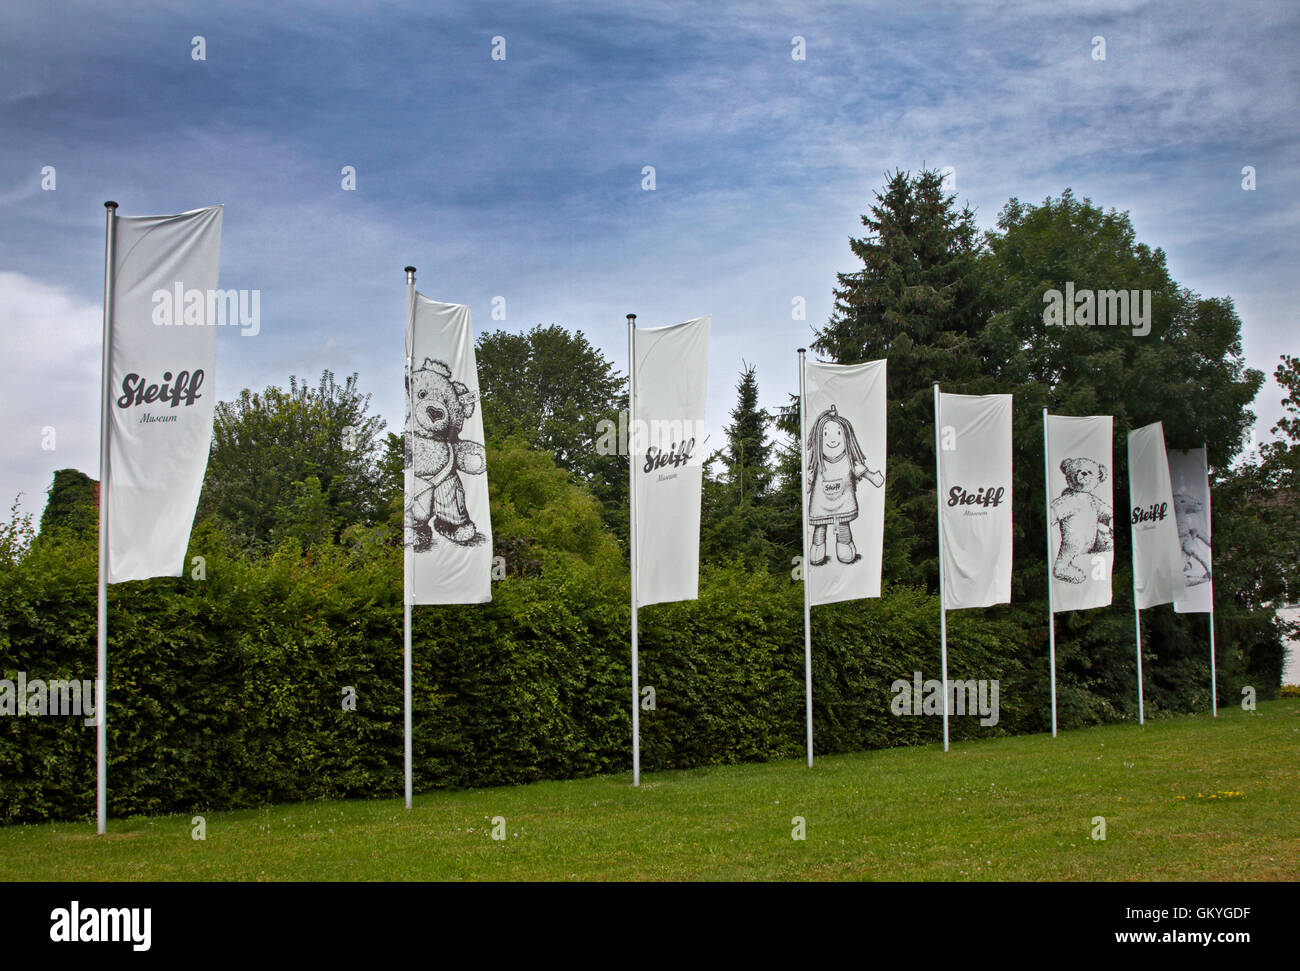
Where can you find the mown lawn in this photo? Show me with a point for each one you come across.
(1186, 798)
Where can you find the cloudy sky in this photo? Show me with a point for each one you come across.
(522, 178)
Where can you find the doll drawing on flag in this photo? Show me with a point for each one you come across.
(835, 466)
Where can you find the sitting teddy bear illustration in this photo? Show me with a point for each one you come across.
(1085, 520)
(437, 408)
(1191, 536)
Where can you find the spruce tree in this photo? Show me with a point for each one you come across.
(738, 519)
(748, 448)
(918, 301)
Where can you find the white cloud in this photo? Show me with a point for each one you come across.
(52, 352)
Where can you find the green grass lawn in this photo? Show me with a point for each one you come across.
(1007, 809)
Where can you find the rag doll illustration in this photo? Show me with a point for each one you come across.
(1083, 518)
(437, 408)
(835, 466)
(1192, 538)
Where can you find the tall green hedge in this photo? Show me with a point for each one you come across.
(228, 691)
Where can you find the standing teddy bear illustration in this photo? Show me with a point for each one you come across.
(437, 408)
(836, 465)
(1085, 521)
(1191, 536)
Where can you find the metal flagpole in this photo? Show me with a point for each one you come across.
(1051, 606)
(1137, 623)
(101, 646)
(406, 569)
(807, 606)
(943, 609)
(631, 544)
(1214, 686)
(406, 698)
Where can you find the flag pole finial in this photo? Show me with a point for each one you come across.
(110, 204)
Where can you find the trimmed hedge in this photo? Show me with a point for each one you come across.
(228, 692)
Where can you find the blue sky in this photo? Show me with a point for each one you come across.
(522, 178)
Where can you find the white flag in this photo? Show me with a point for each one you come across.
(974, 434)
(1157, 556)
(162, 344)
(1081, 520)
(844, 446)
(665, 445)
(448, 530)
(1189, 477)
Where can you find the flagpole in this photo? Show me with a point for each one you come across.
(803, 518)
(631, 545)
(1137, 623)
(1051, 605)
(1214, 686)
(101, 639)
(406, 571)
(943, 609)
(406, 697)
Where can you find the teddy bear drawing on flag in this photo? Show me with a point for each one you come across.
(437, 409)
(1083, 518)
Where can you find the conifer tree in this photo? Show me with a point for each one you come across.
(748, 448)
(738, 518)
(918, 300)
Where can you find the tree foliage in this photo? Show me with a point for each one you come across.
(551, 389)
(1256, 525)
(268, 447)
(739, 521)
(943, 304)
(73, 504)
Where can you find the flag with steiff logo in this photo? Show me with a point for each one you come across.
(159, 390)
(666, 446)
(973, 433)
(1157, 555)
